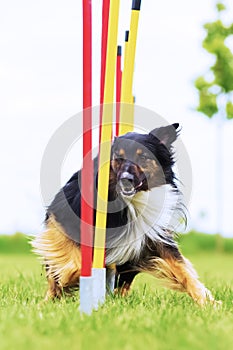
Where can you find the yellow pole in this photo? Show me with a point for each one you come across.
(130, 109)
(126, 110)
(126, 46)
(106, 136)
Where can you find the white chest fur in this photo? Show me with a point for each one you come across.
(150, 214)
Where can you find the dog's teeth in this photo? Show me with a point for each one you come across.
(139, 185)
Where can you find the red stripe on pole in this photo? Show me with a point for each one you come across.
(87, 183)
(104, 39)
(118, 88)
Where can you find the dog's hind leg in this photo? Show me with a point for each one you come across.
(54, 290)
(178, 273)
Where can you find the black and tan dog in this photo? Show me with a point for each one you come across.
(144, 210)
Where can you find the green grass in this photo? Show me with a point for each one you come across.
(150, 318)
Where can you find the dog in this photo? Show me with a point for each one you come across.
(145, 208)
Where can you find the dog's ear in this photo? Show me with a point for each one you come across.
(115, 138)
(114, 143)
(166, 134)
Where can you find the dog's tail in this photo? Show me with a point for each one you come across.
(59, 254)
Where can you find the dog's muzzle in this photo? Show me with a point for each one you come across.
(127, 185)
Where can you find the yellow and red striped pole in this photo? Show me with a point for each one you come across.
(126, 110)
(98, 271)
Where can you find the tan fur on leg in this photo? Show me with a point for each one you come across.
(61, 254)
(54, 290)
(124, 290)
(181, 276)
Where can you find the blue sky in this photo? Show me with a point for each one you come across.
(41, 88)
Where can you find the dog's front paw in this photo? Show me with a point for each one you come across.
(205, 298)
(210, 300)
(217, 304)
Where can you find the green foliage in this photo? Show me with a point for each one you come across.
(228, 245)
(229, 110)
(149, 318)
(191, 243)
(196, 242)
(220, 7)
(14, 244)
(222, 69)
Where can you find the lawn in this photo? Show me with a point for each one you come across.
(150, 318)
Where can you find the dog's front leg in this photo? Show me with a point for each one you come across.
(110, 278)
(178, 273)
(125, 275)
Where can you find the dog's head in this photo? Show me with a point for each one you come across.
(143, 161)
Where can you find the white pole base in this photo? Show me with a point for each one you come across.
(86, 295)
(99, 286)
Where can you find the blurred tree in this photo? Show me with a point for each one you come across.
(215, 88)
(220, 83)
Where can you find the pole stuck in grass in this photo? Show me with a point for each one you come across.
(98, 271)
(87, 184)
(126, 109)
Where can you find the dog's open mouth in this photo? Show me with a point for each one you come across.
(127, 187)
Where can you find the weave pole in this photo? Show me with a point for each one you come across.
(126, 109)
(130, 109)
(118, 88)
(99, 271)
(104, 38)
(126, 46)
(87, 188)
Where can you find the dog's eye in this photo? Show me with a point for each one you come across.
(118, 156)
(143, 157)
